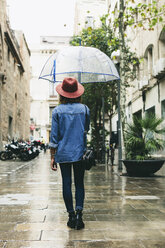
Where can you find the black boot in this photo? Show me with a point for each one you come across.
(79, 222)
(72, 220)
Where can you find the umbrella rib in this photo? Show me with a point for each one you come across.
(58, 81)
(46, 64)
(69, 72)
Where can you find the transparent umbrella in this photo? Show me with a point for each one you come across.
(87, 64)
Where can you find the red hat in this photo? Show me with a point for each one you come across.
(70, 88)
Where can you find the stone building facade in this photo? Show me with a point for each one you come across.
(147, 91)
(14, 82)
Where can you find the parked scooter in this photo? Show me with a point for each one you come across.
(12, 152)
(21, 150)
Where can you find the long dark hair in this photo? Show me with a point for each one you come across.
(64, 100)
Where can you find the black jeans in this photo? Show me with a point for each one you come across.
(66, 172)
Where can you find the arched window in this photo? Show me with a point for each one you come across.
(1, 50)
(89, 22)
(159, 68)
(148, 63)
(162, 44)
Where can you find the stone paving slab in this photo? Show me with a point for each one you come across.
(119, 212)
(22, 218)
(109, 244)
(72, 235)
(7, 227)
(84, 244)
(37, 244)
(89, 225)
(154, 243)
(14, 235)
(134, 235)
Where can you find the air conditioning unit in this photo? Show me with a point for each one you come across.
(159, 68)
(155, 70)
(143, 83)
(161, 64)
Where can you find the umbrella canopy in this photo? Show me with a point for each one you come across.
(87, 64)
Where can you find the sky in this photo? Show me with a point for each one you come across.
(41, 17)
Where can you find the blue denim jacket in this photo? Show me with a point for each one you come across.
(67, 131)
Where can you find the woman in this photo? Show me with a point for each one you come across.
(68, 143)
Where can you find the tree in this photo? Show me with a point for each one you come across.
(105, 40)
(139, 15)
(142, 137)
(102, 38)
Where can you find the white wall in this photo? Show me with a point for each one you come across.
(39, 88)
(88, 8)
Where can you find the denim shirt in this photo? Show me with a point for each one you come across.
(67, 131)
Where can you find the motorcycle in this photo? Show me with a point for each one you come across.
(23, 151)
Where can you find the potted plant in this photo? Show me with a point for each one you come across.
(142, 139)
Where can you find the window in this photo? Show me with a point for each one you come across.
(8, 54)
(50, 114)
(52, 89)
(129, 112)
(150, 60)
(10, 126)
(1, 51)
(163, 109)
(163, 115)
(162, 44)
(148, 66)
(138, 114)
(136, 70)
(150, 111)
(89, 22)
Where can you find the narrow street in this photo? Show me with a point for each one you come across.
(120, 211)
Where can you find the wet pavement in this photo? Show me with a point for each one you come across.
(120, 211)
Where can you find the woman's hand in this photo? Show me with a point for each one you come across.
(53, 164)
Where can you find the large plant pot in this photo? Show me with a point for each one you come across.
(142, 167)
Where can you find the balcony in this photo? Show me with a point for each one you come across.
(159, 69)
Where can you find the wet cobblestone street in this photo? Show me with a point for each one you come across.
(120, 211)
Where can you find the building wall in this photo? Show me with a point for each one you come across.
(149, 81)
(43, 94)
(147, 78)
(88, 13)
(14, 89)
(148, 89)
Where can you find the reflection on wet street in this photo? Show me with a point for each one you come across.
(120, 211)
